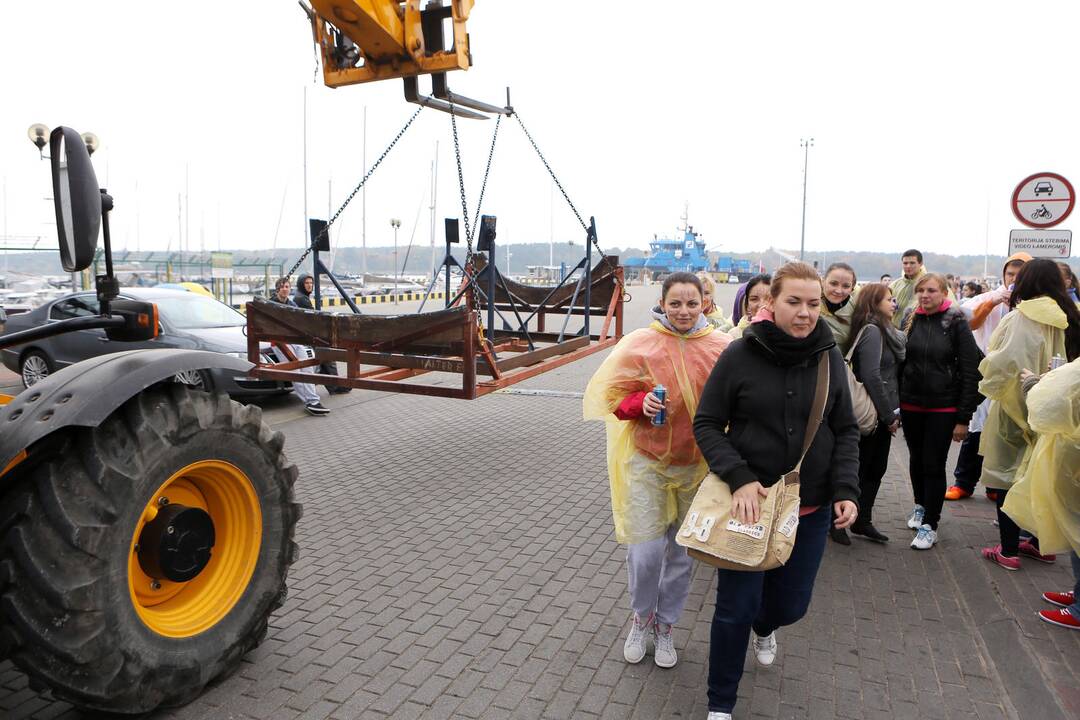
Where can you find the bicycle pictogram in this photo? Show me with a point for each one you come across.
(1042, 213)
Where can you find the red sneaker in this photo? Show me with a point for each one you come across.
(1064, 599)
(1061, 617)
(1026, 548)
(956, 493)
(993, 554)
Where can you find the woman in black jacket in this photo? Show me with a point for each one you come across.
(750, 425)
(939, 391)
(879, 350)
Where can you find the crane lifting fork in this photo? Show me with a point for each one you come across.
(367, 40)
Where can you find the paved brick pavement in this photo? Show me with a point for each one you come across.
(458, 562)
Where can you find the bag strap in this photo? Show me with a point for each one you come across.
(817, 411)
(855, 344)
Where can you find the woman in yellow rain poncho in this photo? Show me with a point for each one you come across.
(1046, 500)
(655, 470)
(710, 309)
(1044, 322)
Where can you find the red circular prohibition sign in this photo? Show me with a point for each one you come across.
(1016, 201)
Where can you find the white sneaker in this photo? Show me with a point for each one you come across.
(719, 716)
(914, 520)
(765, 649)
(665, 655)
(924, 539)
(636, 641)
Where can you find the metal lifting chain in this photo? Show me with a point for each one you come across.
(487, 170)
(591, 237)
(356, 189)
(461, 185)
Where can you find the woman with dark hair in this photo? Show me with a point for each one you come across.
(1045, 322)
(1072, 285)
(755, 297)
(838, 302)
(939, 382)
(750, 426)
(879, 350)
(654, 469)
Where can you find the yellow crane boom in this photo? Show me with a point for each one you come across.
(367, 40)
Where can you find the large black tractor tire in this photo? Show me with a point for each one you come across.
(71, 613)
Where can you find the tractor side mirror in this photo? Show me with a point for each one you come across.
(76, 197)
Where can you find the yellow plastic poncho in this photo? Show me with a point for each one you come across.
(1026, 338)
(718, 320)
(1046, 500)
(654, 470)
(737, 331)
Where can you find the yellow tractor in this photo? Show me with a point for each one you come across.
(146, 528)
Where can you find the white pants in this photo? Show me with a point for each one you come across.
(658, 575)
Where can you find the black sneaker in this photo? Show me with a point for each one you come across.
(316, 408)
(868, 531)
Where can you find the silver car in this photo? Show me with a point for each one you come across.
(188, 320)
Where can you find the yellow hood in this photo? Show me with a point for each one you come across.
(1044, 310)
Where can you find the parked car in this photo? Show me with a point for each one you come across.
(188, 320)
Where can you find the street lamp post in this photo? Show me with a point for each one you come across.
(805, 145)
(395, 223)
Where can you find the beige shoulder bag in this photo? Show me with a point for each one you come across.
(861, 404)
(710, 534)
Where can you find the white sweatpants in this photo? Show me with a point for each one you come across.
(658, 575)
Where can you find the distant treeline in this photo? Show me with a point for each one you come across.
(380, 260)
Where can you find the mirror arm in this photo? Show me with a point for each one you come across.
(57, 328)
(108, 289)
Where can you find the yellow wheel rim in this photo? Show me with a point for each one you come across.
(185, 609)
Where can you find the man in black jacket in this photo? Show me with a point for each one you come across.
(305, 285)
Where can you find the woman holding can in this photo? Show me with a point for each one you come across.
(654, 469)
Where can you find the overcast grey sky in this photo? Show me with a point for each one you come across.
(925, 116)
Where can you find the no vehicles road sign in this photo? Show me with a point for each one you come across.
(1041, 243)
(1043, 200)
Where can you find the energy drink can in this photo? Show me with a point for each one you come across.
(661, 394)
(1056, 362)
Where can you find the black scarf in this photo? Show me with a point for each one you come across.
(785, 349)
(835, 307)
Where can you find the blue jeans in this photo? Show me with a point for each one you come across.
(1074, 609)
(762, 600)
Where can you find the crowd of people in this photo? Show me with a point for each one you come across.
(939, 360)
